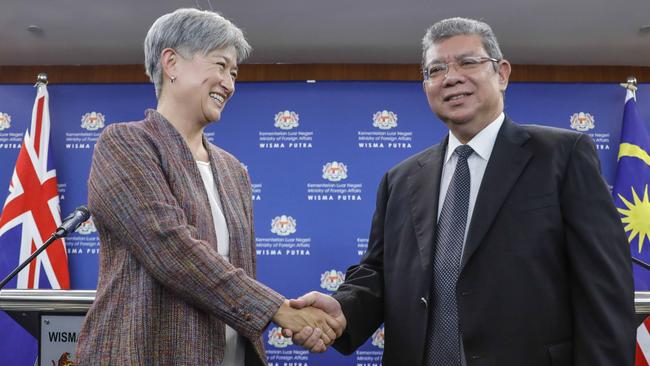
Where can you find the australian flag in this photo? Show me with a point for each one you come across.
(29, 216)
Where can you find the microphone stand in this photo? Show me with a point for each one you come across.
(49, 241)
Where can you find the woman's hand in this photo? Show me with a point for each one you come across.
(297, 319)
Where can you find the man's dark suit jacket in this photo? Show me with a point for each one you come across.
(546, 276)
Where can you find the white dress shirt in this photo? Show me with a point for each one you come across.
(482, 145)
(234, 346)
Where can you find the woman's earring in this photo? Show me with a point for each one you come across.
(172, 79)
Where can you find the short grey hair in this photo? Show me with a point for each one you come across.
(189, 31)
(451, 27)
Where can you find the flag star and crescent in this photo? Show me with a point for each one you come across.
(631, 198)
(633, 176)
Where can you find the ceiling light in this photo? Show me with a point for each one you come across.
(34, 29)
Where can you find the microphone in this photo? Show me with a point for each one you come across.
(72, 222)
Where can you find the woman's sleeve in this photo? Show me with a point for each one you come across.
(129, 194)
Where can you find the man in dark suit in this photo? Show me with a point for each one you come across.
(499, 246)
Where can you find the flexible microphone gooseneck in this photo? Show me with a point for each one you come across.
(69, 225)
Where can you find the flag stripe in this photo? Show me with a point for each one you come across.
(643, 338)
(39, 125)
(640, 359)
(32, 269)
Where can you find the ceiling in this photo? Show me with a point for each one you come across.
(556, 32)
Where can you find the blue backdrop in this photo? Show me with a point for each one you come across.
(315, 153)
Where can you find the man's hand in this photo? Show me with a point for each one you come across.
(320, 324)
(310, 338)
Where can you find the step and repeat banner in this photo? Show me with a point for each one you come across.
(315, 153)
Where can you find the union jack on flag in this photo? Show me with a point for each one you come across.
(32, 207)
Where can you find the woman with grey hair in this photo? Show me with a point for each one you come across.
(174, 215)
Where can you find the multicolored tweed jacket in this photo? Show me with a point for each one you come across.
(164, 293)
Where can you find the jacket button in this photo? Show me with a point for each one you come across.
(248, 317)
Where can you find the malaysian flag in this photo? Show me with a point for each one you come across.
(31, 212)
(631, 185)
(631, 197)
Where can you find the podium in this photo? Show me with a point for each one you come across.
(53, 317)
(642, 305)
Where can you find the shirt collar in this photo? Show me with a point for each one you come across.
(482, 143)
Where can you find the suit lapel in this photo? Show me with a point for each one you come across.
(423, 188)
(507, 161)
(220, 173)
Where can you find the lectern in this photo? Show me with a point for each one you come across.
(53, 317)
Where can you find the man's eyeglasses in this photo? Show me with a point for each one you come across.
(464, 65)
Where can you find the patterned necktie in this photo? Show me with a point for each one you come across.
(443, 339)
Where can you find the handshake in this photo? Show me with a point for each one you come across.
(313, 321)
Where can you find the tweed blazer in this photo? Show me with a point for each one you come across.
(164, 292)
